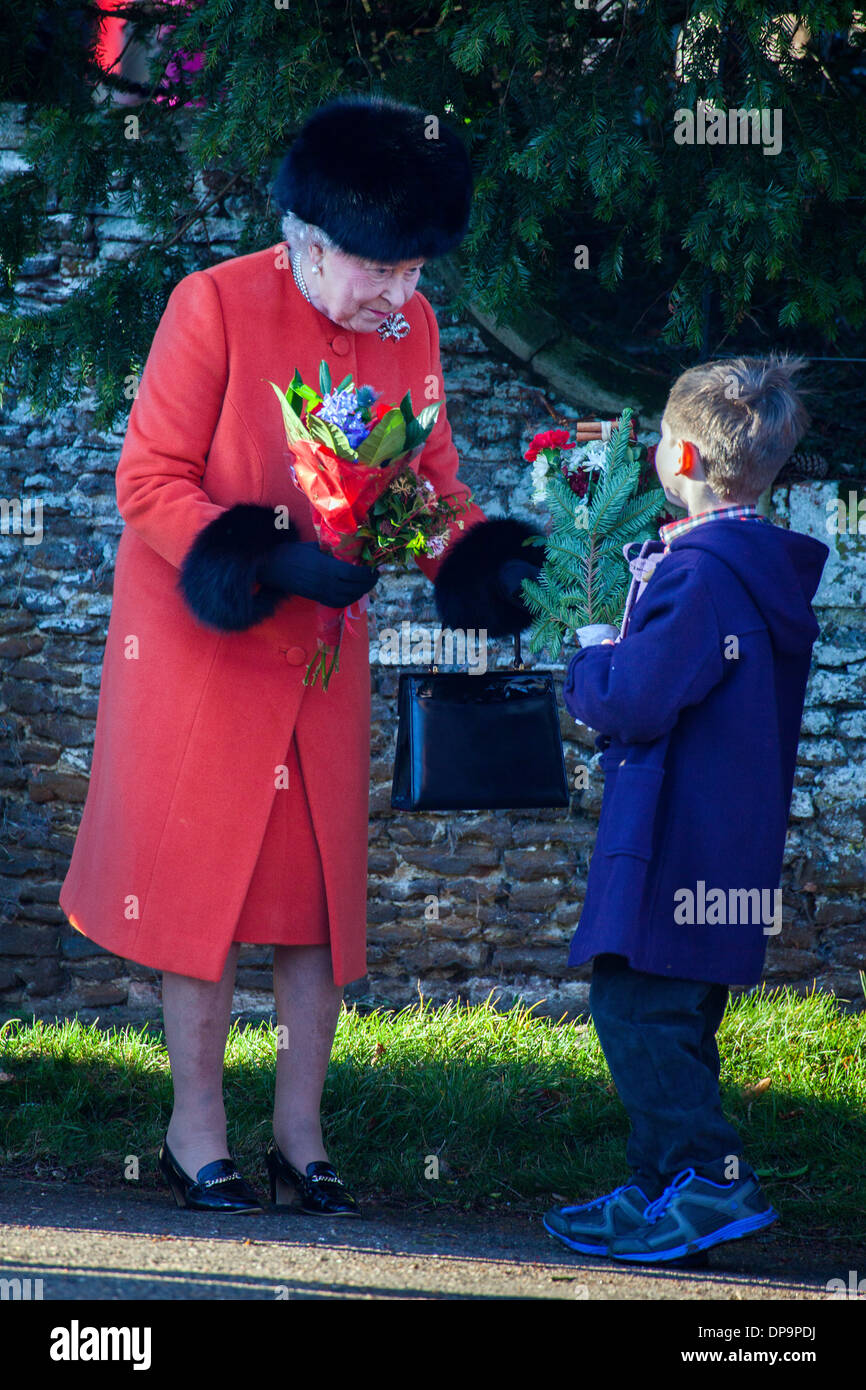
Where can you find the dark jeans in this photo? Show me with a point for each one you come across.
(659, 1038)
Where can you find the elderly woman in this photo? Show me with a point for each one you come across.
(228, 802)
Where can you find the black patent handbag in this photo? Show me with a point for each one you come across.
(478, 743)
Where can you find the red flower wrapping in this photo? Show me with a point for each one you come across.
(341, 494)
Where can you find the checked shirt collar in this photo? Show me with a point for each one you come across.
(674, 529)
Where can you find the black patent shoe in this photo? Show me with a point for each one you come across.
(218, 1186)
(316, 1192)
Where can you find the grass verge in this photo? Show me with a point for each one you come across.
(515, 1110)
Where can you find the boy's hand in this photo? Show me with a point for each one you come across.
(596, 634)
(671, 660)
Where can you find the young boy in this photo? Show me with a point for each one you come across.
(698, 707)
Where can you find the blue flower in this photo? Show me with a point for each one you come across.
(341, 408)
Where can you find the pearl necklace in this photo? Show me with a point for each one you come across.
(299, 278)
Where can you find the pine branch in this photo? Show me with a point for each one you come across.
(584, 578)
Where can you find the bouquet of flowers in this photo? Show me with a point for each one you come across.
(601, 497)
(353, 457)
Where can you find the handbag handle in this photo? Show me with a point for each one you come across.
(516, 665)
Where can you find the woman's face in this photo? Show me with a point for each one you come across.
(359, 294)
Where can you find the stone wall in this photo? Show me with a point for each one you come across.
(459, 905)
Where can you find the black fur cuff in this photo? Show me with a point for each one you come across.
(467, 587)
(219, 570)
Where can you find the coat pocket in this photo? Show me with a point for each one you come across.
(631, 818)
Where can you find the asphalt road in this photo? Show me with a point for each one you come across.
(121, 1244)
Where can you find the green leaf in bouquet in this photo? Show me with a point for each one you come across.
(406, 408)
(290, 407)
(323, 432)
(347, 381)
(427, 417)
(289, 398)
(298, 392)
(309, 395)
(324, 378)
(418, 429)
(385, 441)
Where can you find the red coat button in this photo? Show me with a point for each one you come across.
(295, 655)
(340, 344)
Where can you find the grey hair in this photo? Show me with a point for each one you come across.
(300, 234)
(745, 416)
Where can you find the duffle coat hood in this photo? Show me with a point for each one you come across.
(202, 678)
(699, 709)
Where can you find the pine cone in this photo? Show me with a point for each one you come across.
(805, 465)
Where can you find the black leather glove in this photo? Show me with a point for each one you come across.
(300, 567)
(511, 576)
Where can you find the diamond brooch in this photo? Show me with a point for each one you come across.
(394, 326)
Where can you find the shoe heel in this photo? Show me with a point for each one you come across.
(172, 1179)
(177, 1192)
(283, 1195)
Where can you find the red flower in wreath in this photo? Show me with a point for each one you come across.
(548, 439)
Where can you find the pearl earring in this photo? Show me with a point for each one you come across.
(317, 270)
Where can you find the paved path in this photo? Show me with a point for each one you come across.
(86, 1243)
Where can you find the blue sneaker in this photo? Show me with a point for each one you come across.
(591, 1227)
(693, 1214)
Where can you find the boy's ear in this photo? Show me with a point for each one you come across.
(689, 457)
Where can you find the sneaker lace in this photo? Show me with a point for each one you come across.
(599, 1201)
(612, 1196)
(656, 1210)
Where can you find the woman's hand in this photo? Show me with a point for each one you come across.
(300, 567)
(511, 576)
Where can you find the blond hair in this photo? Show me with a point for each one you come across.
(745, 416)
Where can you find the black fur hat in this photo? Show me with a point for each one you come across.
(384, 180)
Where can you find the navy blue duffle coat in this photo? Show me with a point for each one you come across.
(699, 708)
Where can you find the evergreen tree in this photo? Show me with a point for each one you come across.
(569, 113)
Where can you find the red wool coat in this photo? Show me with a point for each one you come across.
(194, 722)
